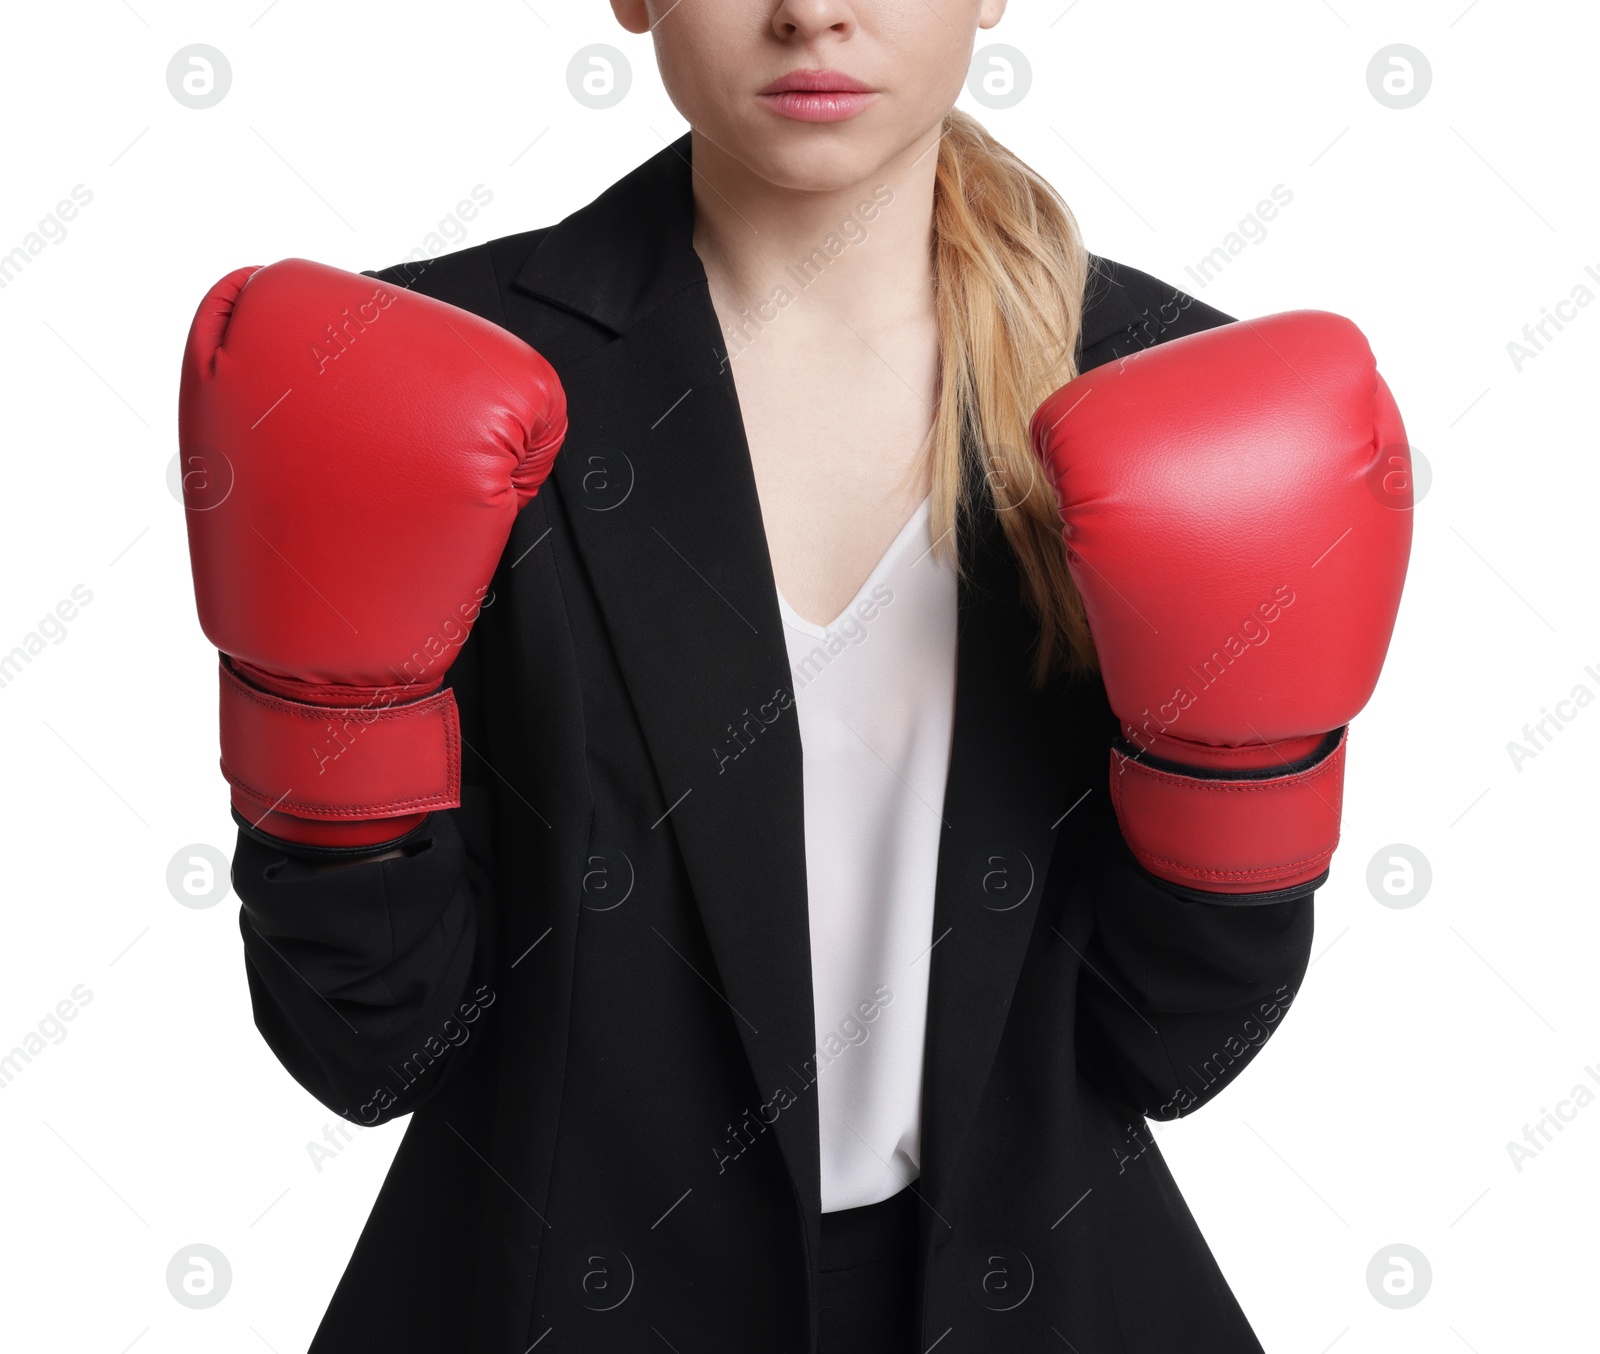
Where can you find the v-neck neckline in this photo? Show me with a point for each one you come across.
(793, 619)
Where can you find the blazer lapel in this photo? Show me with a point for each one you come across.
(1013, 780)
(657, 479)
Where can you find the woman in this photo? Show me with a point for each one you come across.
(776, 976)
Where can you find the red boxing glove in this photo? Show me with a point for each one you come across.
(353, 455)
(1237, 516)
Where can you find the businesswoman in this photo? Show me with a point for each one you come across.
(679, 764)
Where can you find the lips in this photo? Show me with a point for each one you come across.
(817, 82)
(817, 96)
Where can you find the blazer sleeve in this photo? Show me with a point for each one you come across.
(1179, 988)
(369, 982)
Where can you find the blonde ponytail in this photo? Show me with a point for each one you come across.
(1009, 274)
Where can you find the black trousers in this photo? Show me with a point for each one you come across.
(869, 1272)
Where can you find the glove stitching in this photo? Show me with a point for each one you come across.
(1194, 784)
(439, 799)
(1253, 873)
(321, 713)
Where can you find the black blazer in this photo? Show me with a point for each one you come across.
(590, 985)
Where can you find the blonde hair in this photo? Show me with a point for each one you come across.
(1009, 274)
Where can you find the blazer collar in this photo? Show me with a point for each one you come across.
(617, 259)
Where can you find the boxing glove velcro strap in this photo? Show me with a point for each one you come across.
(340, 763)
(1238, 832)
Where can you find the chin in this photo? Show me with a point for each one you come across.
(812, 158)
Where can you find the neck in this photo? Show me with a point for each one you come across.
(858, 254)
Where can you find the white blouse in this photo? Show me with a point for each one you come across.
(875, 694)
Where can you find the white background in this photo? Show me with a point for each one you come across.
(1425, 1037)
